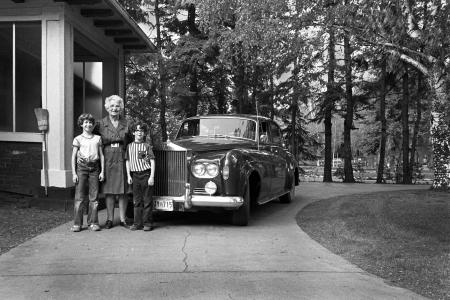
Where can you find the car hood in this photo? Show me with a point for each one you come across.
(203, 144)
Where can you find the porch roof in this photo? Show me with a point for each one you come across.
(111, 17)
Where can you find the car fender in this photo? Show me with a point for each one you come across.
(242, 165)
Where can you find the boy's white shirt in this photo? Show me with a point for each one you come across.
(88, 147)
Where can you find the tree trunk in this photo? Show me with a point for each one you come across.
(381, 160)
(192, 27)
(348, 121)
(329, 103)
(406, 178)
(254, 89)
(440, 134)
(162, 76)
(241, 91)
(294, 109)
(272, 98)
(221, 92)
(241, 94)
(417, 121)
(194, 91)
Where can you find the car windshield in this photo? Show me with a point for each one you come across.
(218, 128)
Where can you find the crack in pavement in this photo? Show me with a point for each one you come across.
(186, 266)
(188, 272)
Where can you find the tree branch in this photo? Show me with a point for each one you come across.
(428, 58)
(410, 61)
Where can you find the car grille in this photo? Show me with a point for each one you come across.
(171, 172)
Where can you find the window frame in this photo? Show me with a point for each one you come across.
(20, 136)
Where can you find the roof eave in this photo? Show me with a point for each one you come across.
(116, 6)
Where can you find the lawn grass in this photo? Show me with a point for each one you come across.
(403, 237)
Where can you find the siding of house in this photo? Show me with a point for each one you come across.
(20, 167)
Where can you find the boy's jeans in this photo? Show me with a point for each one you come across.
(142, 199)
(87, 185)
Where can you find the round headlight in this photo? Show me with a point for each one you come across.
(210, 187)
(212, 170)
(198, 169)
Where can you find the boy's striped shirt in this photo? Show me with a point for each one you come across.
(139, 155)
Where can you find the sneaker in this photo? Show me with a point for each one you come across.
(148, 228)
(135, 227)
(108, 224)
(76, 228)
(123, 224)
(94, 227)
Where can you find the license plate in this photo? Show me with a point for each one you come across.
(166, 205)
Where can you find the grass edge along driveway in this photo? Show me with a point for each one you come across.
(401, 236)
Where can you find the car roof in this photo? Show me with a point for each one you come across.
(230, 116)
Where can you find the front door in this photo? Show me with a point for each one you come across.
(280, 163)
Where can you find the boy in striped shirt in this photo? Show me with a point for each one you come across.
(140, 165)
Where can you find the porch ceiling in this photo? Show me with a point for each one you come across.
(109, 16)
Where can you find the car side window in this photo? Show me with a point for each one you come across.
(189, 129)
(275, 133)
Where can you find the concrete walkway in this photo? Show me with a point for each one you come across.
(195, 256)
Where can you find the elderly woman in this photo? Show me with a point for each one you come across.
(115, 134)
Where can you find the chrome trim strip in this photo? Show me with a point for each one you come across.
(217, 201)
(205, 201)
(173, 198)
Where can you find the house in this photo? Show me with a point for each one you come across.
(65, 56)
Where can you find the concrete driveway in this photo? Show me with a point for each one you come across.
(195, 256)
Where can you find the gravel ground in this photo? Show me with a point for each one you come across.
(19, 222)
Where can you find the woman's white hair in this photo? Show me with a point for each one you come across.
(111, 98)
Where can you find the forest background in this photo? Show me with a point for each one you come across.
(378, 67)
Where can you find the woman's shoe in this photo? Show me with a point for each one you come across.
(108, 224)
(123, 224)
(94, 227)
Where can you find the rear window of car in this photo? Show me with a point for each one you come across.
(218, 127)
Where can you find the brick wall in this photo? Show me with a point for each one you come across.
(20, 167)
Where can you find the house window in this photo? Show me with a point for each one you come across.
(20, 75)
(87, 87)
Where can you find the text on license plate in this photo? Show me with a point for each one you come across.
(164, 205)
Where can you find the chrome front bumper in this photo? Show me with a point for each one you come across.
(217, 201)
(190, 200)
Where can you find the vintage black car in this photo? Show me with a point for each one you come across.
(226, 162)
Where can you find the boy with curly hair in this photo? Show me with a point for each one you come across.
(87, 170)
